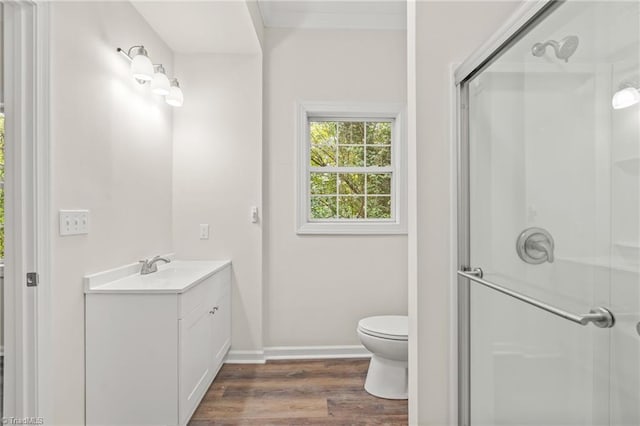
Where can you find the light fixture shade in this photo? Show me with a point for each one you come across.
(142, 68)
(175, 97)
(160, 84)
(626, 97)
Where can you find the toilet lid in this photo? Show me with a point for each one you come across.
(386, 326)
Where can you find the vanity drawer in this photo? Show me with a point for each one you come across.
(204, 294)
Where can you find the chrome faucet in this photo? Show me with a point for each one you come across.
(150, 266)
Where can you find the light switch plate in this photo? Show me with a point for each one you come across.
(74, 222)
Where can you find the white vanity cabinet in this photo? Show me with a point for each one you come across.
(155, 343)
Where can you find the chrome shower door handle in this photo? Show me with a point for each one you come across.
(600, 317)
(535, 246)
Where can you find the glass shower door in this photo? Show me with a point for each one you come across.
(553, 223)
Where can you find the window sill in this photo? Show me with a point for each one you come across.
(341, 228)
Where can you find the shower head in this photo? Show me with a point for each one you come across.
(564, 49)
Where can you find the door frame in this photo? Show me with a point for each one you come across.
(515, 27)
(27, 326)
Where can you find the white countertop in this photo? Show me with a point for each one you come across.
(175, 277)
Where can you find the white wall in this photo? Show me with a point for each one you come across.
(111, 154)
(318, 287)
(446, 33)
(217, 176)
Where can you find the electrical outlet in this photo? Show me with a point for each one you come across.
(74, 222)
(204, 231)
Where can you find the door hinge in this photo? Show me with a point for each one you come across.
(32, 279)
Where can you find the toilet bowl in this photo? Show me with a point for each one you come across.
(386, 337)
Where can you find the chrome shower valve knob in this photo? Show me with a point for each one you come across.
(535, 246)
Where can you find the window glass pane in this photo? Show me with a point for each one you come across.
(378, 156)
(379, 133)
(323, 132)
(324, 183)
(323, 143)
(351, 207)
(323, 155)
(351, 156)
(350, 133)
(351, 183)
(379, 183)
(324, 207)
(379, 207)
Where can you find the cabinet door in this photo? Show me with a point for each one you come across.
(221, 330)
(195, 357)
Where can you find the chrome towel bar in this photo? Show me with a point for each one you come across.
(600, 317)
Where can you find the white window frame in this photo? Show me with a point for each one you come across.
(341, 111)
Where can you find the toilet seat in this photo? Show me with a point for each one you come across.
(392, 327)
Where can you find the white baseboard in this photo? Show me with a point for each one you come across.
(316, 352)
(296, 352)
(245, 357)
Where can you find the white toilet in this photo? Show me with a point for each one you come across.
(386, 338)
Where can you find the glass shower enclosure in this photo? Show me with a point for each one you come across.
(549, 219)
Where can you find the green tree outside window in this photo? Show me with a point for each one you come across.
(338, 189)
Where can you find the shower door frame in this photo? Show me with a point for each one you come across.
(514, 28)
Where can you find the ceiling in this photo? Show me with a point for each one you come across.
(226, 26)
(335, 14)
(201, 26)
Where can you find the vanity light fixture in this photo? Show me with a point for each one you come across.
(626, 96)
(141, 65)
(144, 71)
(160, 84)
(175, 97)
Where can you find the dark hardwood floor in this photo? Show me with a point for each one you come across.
(326, 392)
